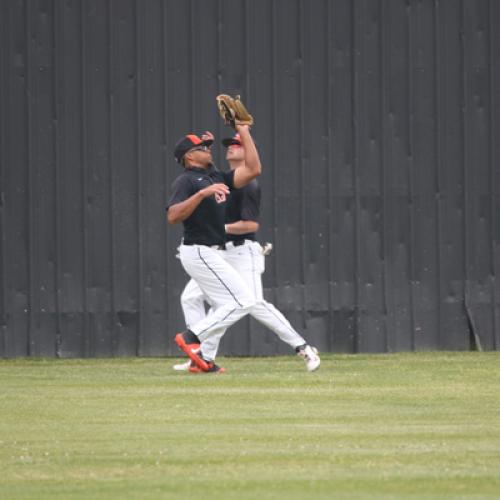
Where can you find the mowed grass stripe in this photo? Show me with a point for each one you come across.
(423, 425)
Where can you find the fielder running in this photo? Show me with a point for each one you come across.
(246, 256)
(198, 201)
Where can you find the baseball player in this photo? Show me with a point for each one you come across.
(246, 256)
(198, 200)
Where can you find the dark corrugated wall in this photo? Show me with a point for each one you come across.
(377, 122)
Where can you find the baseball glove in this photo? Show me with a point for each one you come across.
(233, 111)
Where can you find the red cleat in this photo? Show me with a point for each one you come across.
(190, 345)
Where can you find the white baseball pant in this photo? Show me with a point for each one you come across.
(249, 261)
(227, 292)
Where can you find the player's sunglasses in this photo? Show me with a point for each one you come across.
(200, 148)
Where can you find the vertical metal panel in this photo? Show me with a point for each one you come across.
(494, 16)
(342, 187)
(151, 167)
(376, 124)
(124, 163)
(287, 189)
(97, 155)
(69, 180)
(453, 318)
(166, 101)
(397, 227)
(4, 42)
(327, 107)
(16, 190)
(42, 193)
(314, 172)
(423, 101)
(477, 121)
(368, 172)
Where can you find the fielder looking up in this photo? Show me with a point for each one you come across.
(198, 200)
(246, 256)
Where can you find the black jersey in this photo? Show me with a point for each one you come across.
(205, 226)
(243, 204)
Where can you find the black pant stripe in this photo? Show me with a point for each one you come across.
(219, 278)
(264, 303)
(214, 324)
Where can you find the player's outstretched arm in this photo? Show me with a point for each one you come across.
(251, 167)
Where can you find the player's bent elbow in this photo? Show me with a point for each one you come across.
(172, 218)
(254, 172)
(258, 170)
(255, 168)
(244, 175)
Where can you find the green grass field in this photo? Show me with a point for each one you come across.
(421, 425)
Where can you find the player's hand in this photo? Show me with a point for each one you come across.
(219, 191)
(207, 136)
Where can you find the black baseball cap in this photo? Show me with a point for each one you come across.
(189, 142)
(229, 141)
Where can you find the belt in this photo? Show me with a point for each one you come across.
(215, 247)
(237, 243)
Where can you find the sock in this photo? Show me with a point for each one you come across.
(191, 338)
(300, 347)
